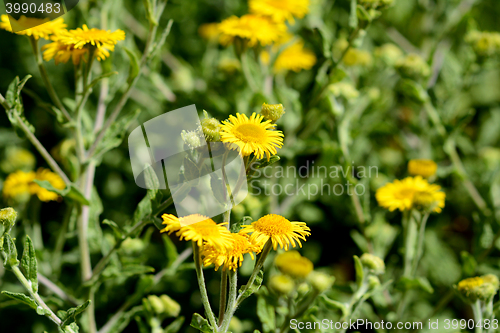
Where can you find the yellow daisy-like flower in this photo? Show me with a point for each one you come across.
(20, 185)
(409, 193)
(252, 135)
(280, 10)
(424, 168)
(53, 179)
(17, 185)
(277, 228)
(295, 58)
(203, 232)
(252, 28)
(38, 30)
(209, 31)
(293, 264)
(233, 258)
(78, 42)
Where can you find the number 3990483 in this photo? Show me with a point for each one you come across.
(32, 8)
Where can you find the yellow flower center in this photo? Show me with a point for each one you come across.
(250, 133)
(404, 193)
(423, 198)
(206, 228)
(272, 225)
(470, 283)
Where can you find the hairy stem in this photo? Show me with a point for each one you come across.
(202, 286)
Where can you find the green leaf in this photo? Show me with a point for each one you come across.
(191, 170)
(10, 252)
(262, 163)
(362, 14)
(28, 264)
(119, 233)
(70, 191)
(469, 263)
(143, 209)
(72, 328)
(170, 250)
(236, 227)
(99, 78)
(116, 133)
(421, 283)
(217, 186)
(266, 314)
(21, 298)
(152, 182)
(134, 64)
(157, 46)
(413, 90)
(175, 326)
(358, 266)
(353, 18)
(73, 312)
(201, 324)
(254, 287)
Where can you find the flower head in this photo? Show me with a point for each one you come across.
(254, 29)
(281, 284)
(375, 264)
(272, 112)
(199, 229)
(408, 193)
(413, 66)
(295, 58)
(230, 259)
(38, 30)
(424, 168)
(17, 186)
(484, 43)
(280, 10)
(252, 135)
(79, 42)
(293, 264)
(277, 228)
(53, 179)
(479, 287)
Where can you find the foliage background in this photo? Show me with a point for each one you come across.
(391, 131)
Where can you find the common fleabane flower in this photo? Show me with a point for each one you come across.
(293, 264)
(252, 135)
(295, 58)
(280, 10)
(422, 167)
(232, 258)
(254, 29)
(411, 192)
(38, 30)
(281, 231)
(202, 232)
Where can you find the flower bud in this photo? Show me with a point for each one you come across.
(8, 218)
(236, 326)
(320, 281)
(373, 263)
(17, 159)
(343, 89)
(210, 128)
(172, 308)
(422, 167)
(132, 246)
(389, 53)
(413, 67)
(293, 264)
(192, 138)
(281, 284)
(373, 282)
(272, 112)
(156, 304)
(484, 43)
(479, 287)
(303, 288)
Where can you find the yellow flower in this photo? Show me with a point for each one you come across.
(17, 158)
(484, 43)
(17, 186)
(78, 42)
(479, 287)
(209, 31)
(354, 57)
(38, 30)
(53, 179)
(409, 193)
(424, 168)
(280, 10)
(293, 264)
(281, 284)
(199, 229)
(295, 58)
(277, 228)
(232, 258)
(252, 28)
(252, 135)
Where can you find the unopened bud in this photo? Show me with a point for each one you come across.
(281, 284)
(192, 138)
(172, 308)
(156, 304)
(373, 263)
(320, 281)
(272, 112)
(413, 67)
(132, 246)
(8, 218)
(479, 287)
(211, 129)
(373, 282)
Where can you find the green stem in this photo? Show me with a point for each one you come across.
(223, 281)
(45, 77)
(478, 316)
(246, 71)
(233, 285)
(420, 244)
(411, 233)
(202, 286)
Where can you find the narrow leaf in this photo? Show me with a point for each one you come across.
(21, 298)
(201, 324)
(10, 250)
(28, 264)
